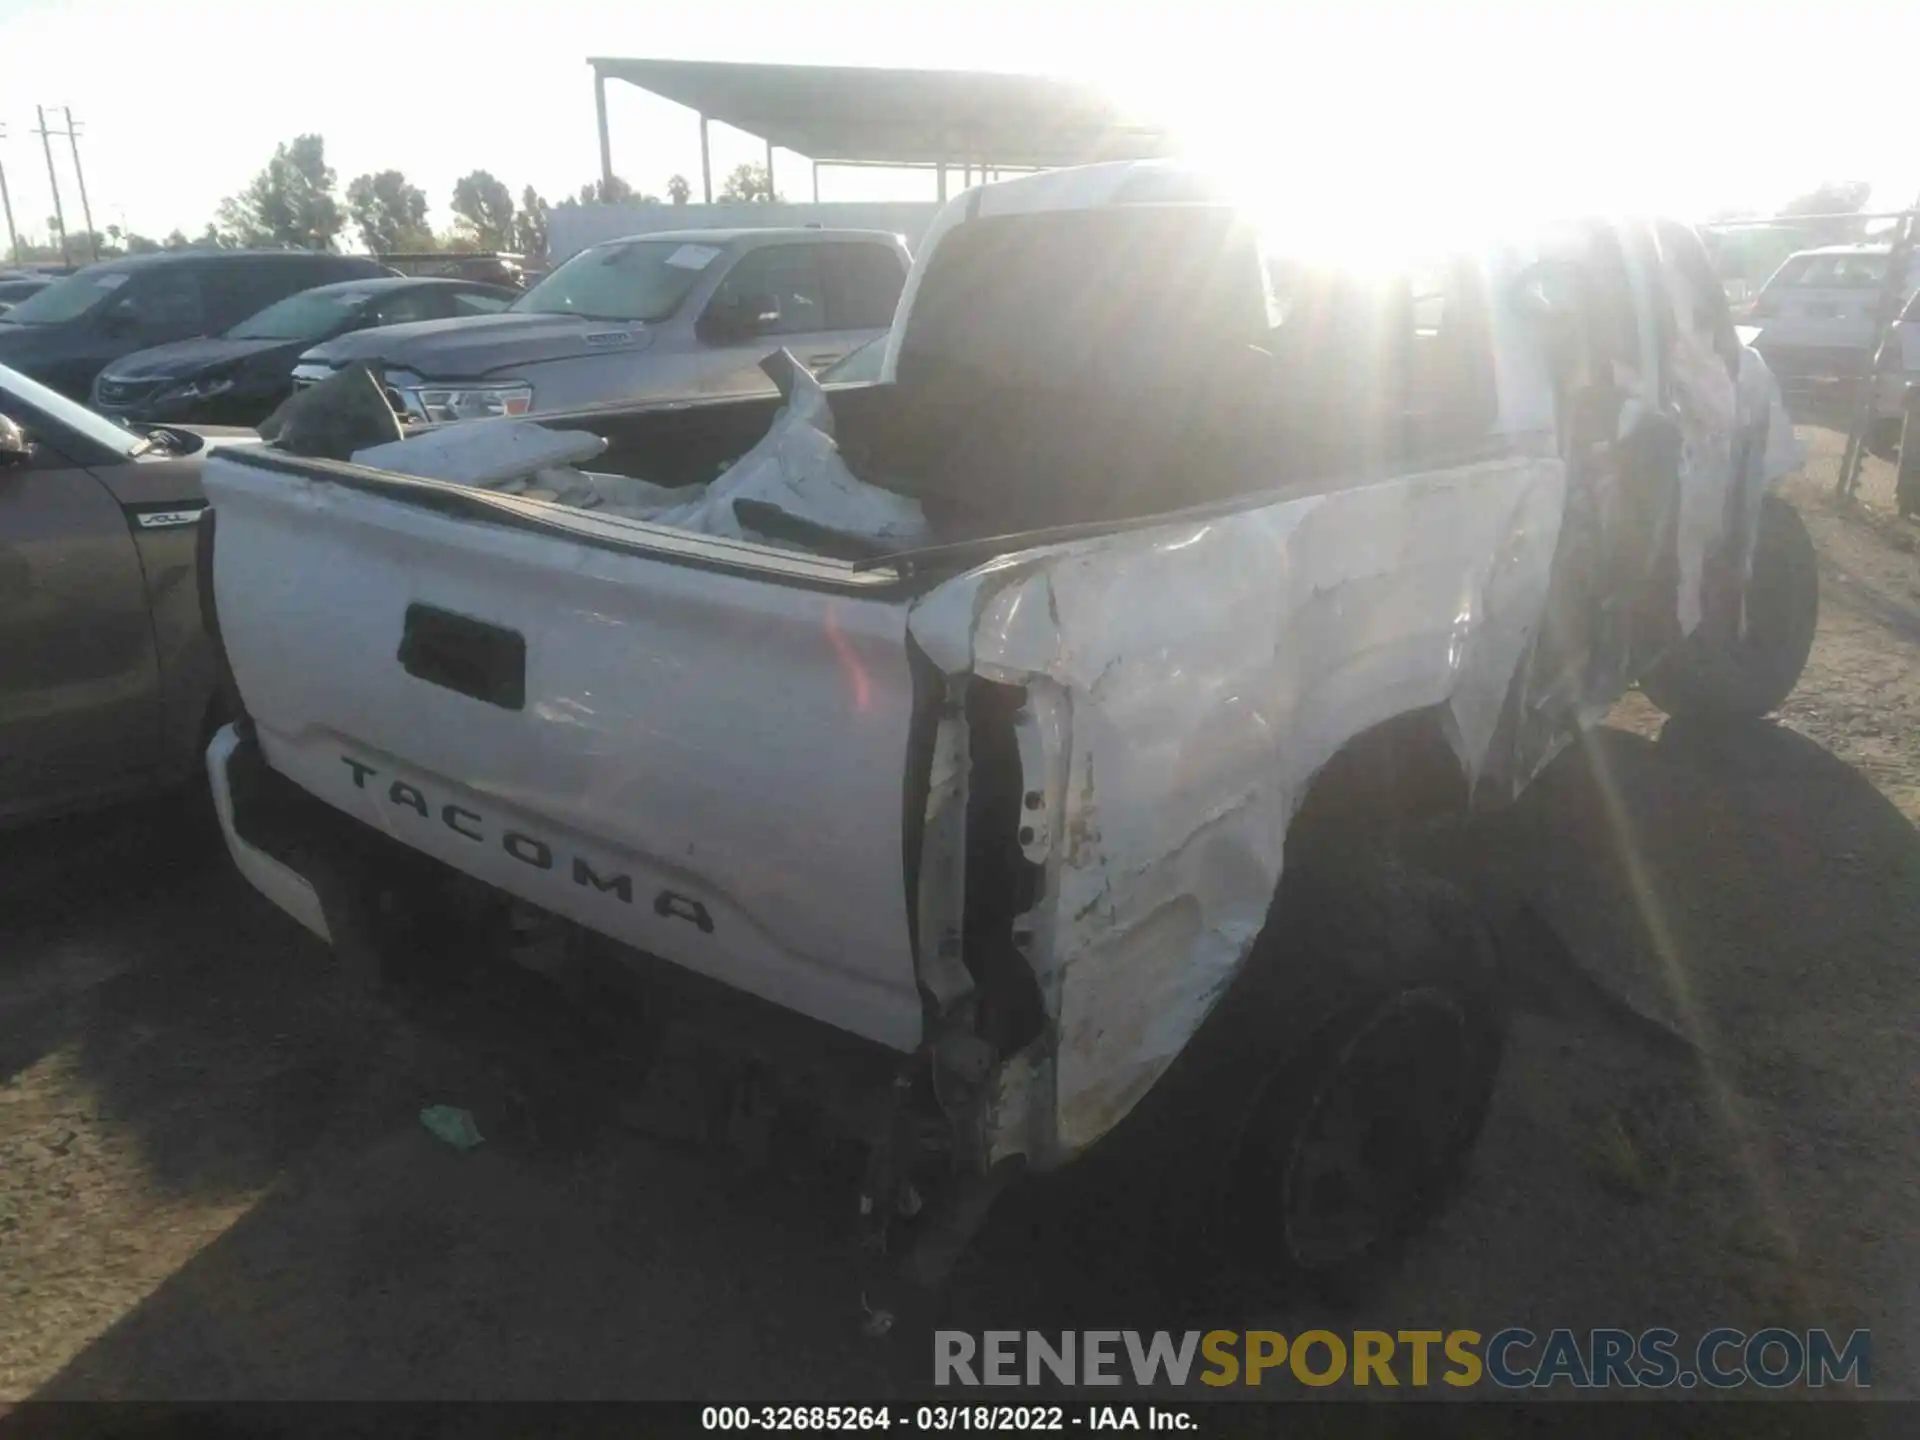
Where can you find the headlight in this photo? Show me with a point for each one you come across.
(470, 402)
(204, 388)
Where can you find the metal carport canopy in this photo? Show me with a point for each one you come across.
(855, 115)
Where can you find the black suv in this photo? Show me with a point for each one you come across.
(64, 335)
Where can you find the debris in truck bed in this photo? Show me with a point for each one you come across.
(796, 468)
(484, 454)
(793, 474)
(344, 413)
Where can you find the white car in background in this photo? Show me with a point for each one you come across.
(1896, 404)
(1815, 314)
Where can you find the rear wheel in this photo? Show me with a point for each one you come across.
(1327, 1109)
(1883, 438)
(1907, 481)
(1754, 675)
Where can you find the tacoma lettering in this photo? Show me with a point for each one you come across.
(529, 849)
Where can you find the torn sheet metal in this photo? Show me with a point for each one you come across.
(523, 457)
(1703, 401)
(1210, 668)
(796, 468)
(1737, 442)
(482, 454)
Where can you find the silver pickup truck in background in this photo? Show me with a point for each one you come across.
(1080, 823)
(685, 314)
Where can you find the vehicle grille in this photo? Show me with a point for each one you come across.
(126, 392)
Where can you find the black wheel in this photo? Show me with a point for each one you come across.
(1328, 1106)
(1349, 1150)
(1883, 438)
(1907, 476)
(1755, 675)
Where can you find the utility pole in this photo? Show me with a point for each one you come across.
(6, 203)
(80, 179)
(53, 179)
(1866, 382)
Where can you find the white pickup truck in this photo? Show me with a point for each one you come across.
(1079, 815)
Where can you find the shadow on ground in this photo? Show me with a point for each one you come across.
(1741, 890)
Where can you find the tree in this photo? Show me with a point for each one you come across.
(32, 249)
(748, 181)
(176, 240)
(483, 207)
(678, 190)
(211, 238)
(610, 192)
(138, 244)
(389, 213)
(1831, 197)
(530, 225)
(288, 203)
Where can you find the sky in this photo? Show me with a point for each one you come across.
(1682, 107)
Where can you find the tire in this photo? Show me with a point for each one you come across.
(1883, 438)
(1701, 678)
(1327, 1108)
(1907, 475)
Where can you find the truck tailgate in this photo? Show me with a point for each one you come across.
(705, 764)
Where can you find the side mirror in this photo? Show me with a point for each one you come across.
(121, 317)
(15, 448)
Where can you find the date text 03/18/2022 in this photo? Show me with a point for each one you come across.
(943, 1419)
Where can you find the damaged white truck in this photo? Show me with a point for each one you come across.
(1018, 750)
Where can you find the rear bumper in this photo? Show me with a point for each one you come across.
(242, 794)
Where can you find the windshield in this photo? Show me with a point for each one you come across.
(310, 315)
(628, 280)
(119, 438)
(64, 299)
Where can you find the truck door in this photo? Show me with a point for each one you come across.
(79, 677)
(773, 297)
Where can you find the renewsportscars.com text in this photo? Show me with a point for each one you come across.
(1513, 1359)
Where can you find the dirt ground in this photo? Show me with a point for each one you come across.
(214, 1184)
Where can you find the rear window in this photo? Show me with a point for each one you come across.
(1832, 272)
(1397, 360)
(1134, 293)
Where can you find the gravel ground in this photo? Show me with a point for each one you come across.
(213, 1182)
